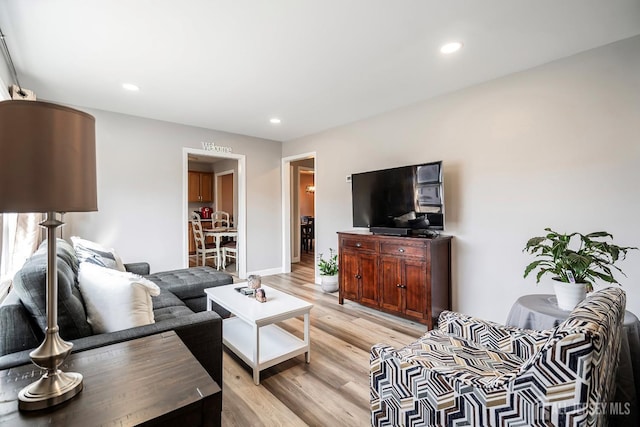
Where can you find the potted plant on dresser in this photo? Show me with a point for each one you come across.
(329, 271)
(575, 261)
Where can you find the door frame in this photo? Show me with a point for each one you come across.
(296, 220)
(241, 221)
(286, 204)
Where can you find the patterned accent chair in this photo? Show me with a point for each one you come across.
(477, 373)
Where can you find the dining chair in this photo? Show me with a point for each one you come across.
(228, 247)
(220, 219)
(204, 249)
(306, 232)
(230, 250)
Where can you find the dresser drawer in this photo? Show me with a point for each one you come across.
(362, 244)
(400, 249)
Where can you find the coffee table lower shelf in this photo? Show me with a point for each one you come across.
(273, 344)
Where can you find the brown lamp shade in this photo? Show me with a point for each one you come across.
(47, 158)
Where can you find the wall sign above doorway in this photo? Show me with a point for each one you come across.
(210, 146)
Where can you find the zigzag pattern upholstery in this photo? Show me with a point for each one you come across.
(470, 372)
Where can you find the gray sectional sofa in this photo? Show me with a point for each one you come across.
(180, 307)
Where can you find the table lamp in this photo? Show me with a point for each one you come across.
(47, 164)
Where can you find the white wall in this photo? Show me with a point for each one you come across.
(557, 146)
(140, 182)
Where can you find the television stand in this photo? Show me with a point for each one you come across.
(405, 276)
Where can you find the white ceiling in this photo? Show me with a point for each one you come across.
(316, 64)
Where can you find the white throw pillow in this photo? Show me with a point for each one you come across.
(115, 300)
(95, 253)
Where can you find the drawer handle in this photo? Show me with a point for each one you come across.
(358, 245)
(398, 285)
(401, 250)
(357, 276)
(401, 286)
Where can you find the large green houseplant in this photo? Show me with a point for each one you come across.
(576, 259)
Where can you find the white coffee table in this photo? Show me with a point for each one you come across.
(251, 333)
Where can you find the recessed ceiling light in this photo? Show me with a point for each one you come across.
(450, 47)
(275, 121)
(130, 86)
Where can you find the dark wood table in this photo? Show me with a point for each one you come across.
(153, 380)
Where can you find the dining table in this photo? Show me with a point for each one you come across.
(218, 233)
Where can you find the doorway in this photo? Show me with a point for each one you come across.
(304, 189)
(293, 168)
(233, 165)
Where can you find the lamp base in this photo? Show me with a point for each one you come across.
(55, 386)
(50, 390)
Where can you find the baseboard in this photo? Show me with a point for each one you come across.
(266, 272)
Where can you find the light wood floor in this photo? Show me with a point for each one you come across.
(333, 390)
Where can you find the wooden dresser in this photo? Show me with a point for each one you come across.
(405, 276)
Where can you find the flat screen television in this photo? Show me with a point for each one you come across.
(405, 197)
